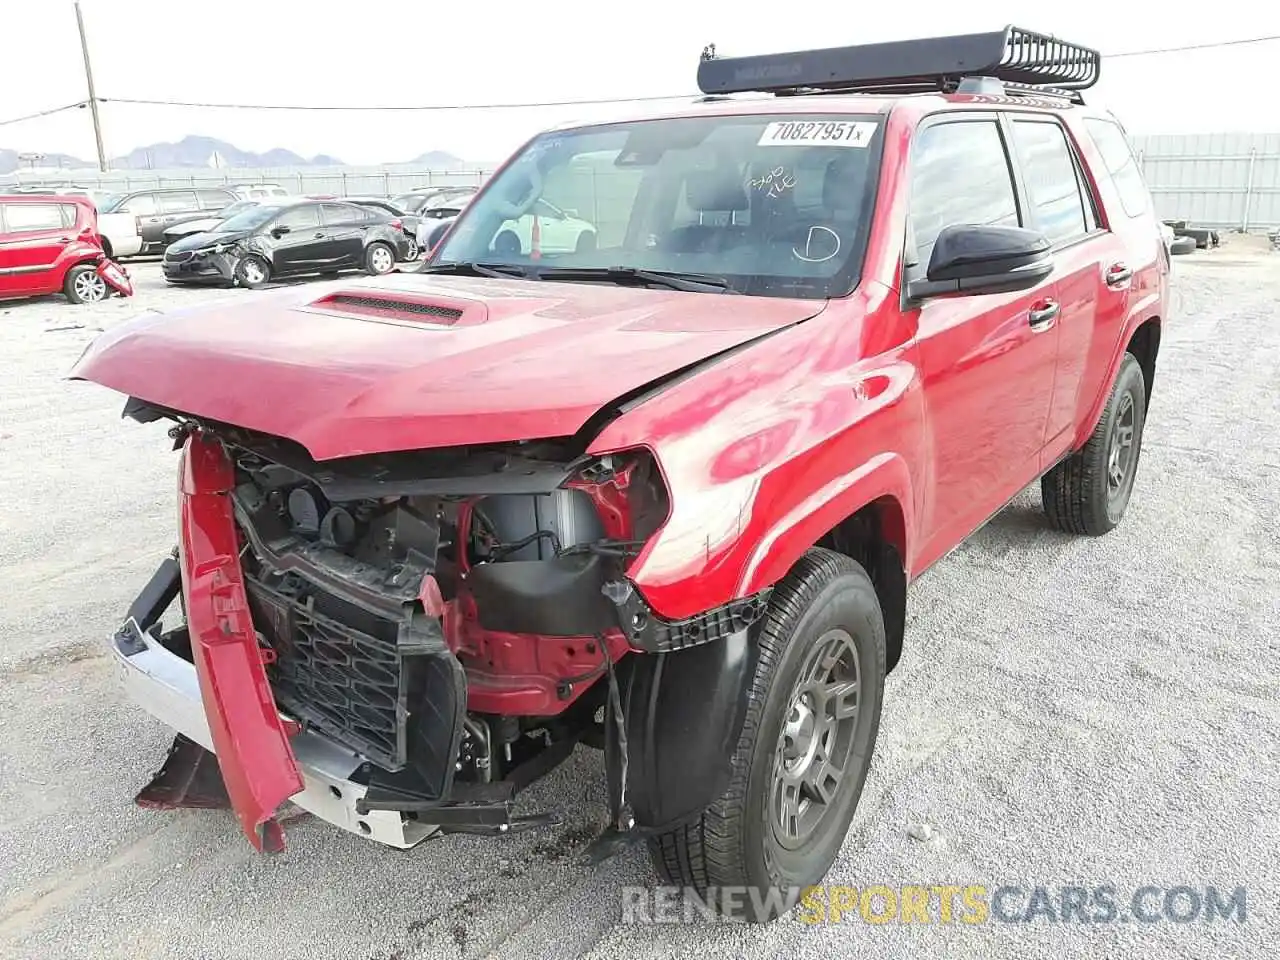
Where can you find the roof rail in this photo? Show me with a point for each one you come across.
(1022, 59)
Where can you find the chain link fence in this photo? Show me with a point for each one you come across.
(342, 181)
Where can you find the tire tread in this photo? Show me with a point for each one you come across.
(708, 852)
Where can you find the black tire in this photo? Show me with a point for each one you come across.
(379, 259)
(1088, 492)
(253, 272)
(83, 285)
(736, 842)
(106, 247)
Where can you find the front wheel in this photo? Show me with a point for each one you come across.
(813, 711)
(1089, 491)
(411, 254)
(84, 285)
(379, 259)
(252, 272)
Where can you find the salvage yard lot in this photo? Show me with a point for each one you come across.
(1066, 710)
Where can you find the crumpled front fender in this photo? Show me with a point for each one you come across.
(248, 735)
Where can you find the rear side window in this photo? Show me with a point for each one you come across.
(1121, 165)
(181, 202)
(959, 175)
(1052, 184)
(29, 217)
(342, 213)
(213, 199)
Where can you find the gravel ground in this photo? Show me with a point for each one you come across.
(1067, 710)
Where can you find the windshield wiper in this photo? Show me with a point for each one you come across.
(465, 269)
(691, 282)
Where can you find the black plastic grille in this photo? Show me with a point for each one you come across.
(181, 256)
(347, 683)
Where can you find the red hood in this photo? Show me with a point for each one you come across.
(411, 362)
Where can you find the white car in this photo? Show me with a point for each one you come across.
(559, 231)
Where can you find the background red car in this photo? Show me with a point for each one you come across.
(50, 244)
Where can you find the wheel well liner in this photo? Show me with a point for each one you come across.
(1145, 345)
(875, 536)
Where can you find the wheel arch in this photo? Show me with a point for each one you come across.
(1144, 344)
(869, 517)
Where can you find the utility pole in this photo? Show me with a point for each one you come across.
(93, 97)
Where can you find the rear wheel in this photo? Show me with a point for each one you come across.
(379, 259)
(801, 760)
(1089, 491)
(83, 285)
(252, 272)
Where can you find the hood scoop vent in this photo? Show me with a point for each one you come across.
(389, 308)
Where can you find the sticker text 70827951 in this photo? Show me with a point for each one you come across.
(825, 133)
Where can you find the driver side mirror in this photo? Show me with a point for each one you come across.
(279, 231)
(974, 259)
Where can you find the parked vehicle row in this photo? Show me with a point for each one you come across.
(289, 238)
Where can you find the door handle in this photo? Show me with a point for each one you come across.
(318, 236)
(1042, 317)
(1117, 274)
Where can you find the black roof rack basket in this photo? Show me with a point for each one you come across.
(1014, 55)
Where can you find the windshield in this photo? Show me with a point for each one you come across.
(249, 219)
(240, 206)
(772, 205)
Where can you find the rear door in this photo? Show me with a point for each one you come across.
(1062, 207)
(987, 361)
(146, 209)
(32, 238)
(345, 224)
(304, 246)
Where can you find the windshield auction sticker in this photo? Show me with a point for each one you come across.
(825, 133)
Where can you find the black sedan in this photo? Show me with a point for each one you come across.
(289, 239)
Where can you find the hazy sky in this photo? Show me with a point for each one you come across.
(328, 53)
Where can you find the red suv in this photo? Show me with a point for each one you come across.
(663, 496)
(50, 244)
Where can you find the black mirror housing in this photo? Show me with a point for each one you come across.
(974, 259)
(279, 231)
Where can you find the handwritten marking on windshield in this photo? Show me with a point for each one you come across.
(816, 232)
(775, 183)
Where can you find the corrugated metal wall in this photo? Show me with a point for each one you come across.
(1211, 179)
(1214, 179)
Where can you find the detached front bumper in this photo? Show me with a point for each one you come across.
(217, 268)
(166, 686)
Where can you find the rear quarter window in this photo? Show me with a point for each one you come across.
(1121, 165)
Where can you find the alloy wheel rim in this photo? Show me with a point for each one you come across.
(90, 287)
(382, 261)
(816, 742)
(413, 251)
(1120, 450)
(253, 272)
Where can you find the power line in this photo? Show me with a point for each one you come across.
(594, 102)
(432, 108)
(393, 107)
(44, 113)
(1193, 46)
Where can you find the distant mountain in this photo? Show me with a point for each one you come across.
(198, 151)
(437, 158)
(195, 151)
